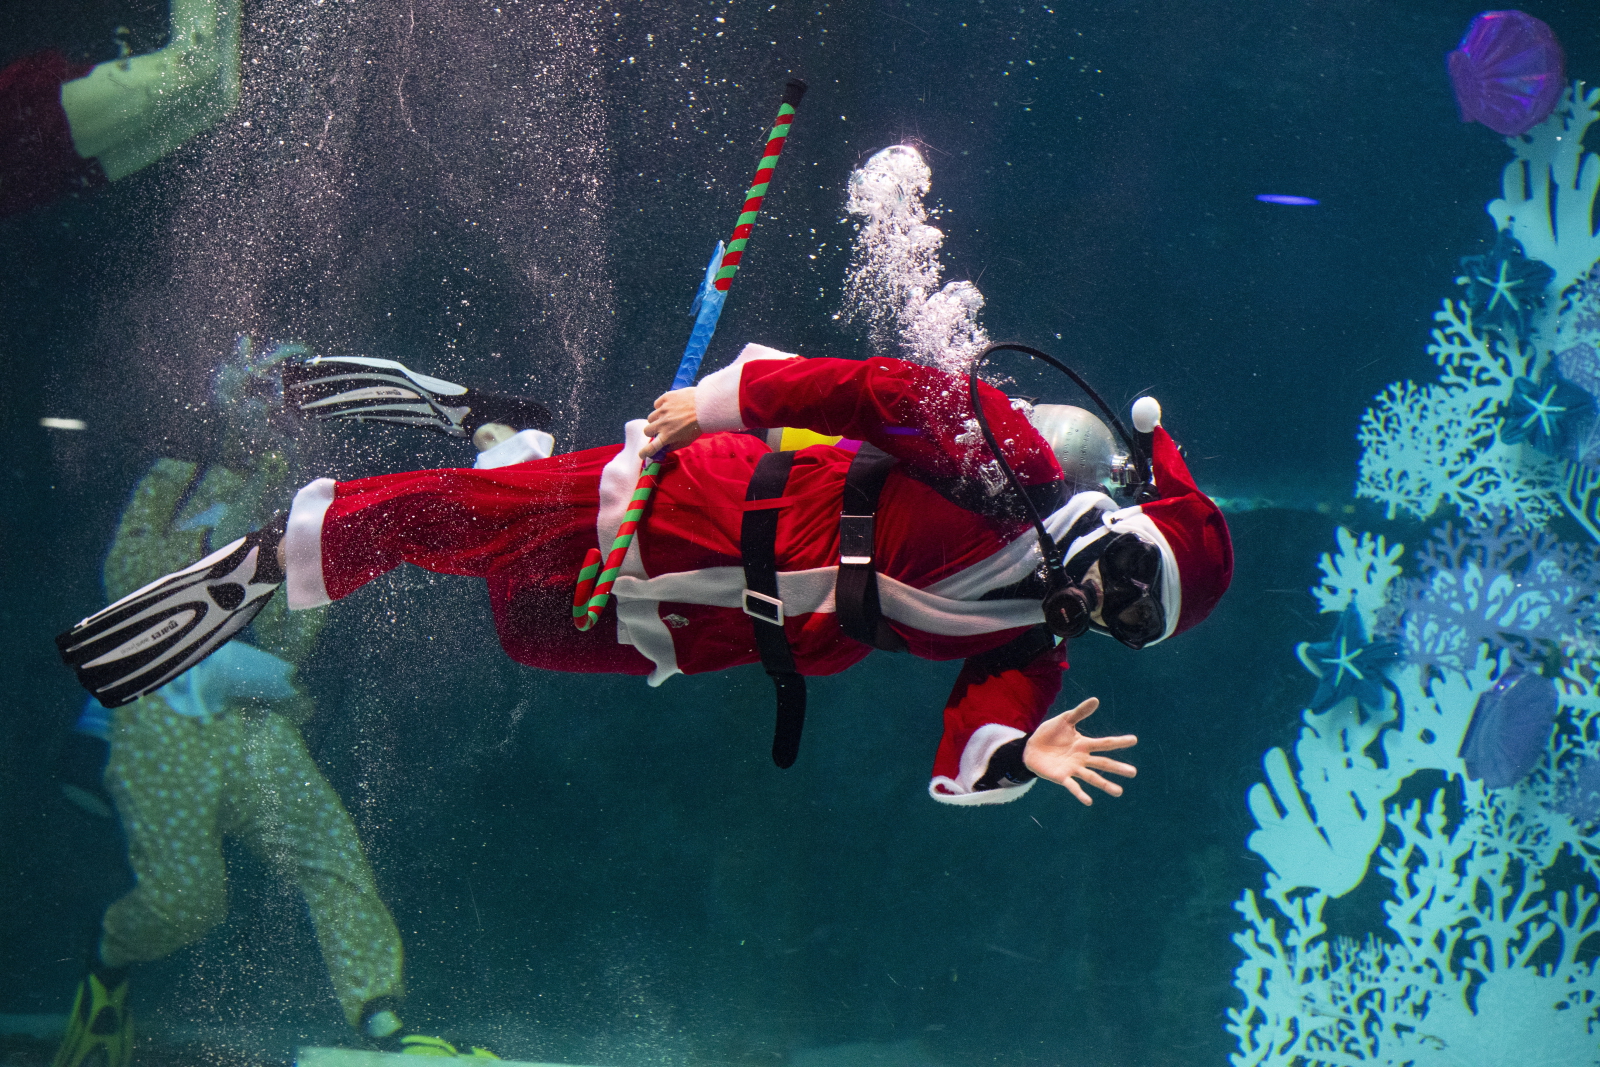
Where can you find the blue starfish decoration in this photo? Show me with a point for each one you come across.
(1505, 287)
(1548, 414)
(1348, 665)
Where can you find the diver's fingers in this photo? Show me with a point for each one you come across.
(658, 411)
(1110, 744)
(1100, 783)
(1111, 766)
(1082, 711)
(1077, 790)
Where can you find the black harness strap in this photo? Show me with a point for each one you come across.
(856, 589)
(1016, 653)
(758, 545)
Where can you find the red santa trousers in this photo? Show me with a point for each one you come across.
(523, 529)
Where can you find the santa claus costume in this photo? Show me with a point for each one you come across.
(956, 564)
(679, 603)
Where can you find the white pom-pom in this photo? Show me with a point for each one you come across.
(1146, 414)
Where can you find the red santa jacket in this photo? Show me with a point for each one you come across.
(678, 600)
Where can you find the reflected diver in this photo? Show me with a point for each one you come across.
(68, 128)
(744, 557)
(217, 753)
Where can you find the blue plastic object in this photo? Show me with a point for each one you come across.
(706, 309)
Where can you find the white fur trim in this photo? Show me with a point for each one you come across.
(716, 398)
(302, 545)
(617, 481)
(518, 448)
(638, 624)
(1134, 520)
(1003, 795)
(812, 590)
(981, 747)
(1021, 557)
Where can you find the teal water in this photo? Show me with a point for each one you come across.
(586, 870)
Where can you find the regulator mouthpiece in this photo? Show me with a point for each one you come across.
(1069, 609)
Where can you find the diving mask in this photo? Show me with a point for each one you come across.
(1114, 587)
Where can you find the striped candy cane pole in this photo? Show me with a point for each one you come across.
(595, 581)
(594, 584)
(758, 186)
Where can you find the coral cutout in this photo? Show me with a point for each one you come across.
(1549, 189)
(1502, 587)
(1439, 444)
(1491, 914)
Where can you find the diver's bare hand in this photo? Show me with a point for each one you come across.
(675, 422)
(1059, 753)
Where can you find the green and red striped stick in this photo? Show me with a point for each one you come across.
(595, 581)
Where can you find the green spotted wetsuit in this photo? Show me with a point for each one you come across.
(182, 782)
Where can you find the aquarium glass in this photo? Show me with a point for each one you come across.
(1365, 826)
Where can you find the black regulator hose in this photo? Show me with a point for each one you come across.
(1137, 449)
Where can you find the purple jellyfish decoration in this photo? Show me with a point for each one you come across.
(1509, 729)
(1508, 72)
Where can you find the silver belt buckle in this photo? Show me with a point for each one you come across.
(767, 608)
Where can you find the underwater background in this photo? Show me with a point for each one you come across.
(522, 196)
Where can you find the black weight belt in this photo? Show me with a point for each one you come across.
(855, 591)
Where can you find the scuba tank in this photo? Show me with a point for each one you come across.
(1084, 446)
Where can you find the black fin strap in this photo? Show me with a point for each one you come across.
(855, 591)
(758, 548)
(484, 407)
(268, 538)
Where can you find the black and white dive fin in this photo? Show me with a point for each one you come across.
(360, 388)
(154, 634)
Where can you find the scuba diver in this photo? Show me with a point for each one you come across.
(910, 533)
(67, 128)
(217, 753)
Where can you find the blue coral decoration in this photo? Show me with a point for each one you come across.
(1505, 287)
(1549, 414)
(1348, 665)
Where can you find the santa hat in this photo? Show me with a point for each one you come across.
(1190, 524)
(1182, 522)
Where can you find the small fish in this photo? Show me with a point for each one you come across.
(1292, 201)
